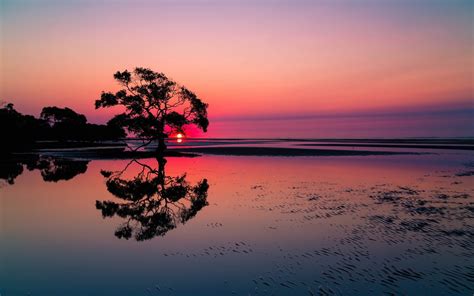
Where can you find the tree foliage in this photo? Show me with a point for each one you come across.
(155, 105)
(55, 115)
(66, 124)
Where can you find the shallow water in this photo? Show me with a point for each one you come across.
(399, 224)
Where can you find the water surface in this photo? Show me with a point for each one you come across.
(400, 224)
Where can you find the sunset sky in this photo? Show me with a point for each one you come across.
(267, 68)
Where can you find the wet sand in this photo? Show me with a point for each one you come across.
(197, 147)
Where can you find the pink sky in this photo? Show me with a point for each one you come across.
(256, 59)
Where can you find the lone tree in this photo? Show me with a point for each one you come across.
(155, 106)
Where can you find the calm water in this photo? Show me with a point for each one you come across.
(270, 226)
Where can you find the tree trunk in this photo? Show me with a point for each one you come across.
(160, 149)
(160, 154)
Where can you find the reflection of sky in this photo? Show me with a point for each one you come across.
(54, 240)
(247, 58)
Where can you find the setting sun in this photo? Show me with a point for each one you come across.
(179, 136)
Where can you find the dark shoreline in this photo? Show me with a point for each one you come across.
(309, 147)
(119, 153)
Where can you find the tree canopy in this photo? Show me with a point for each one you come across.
(55, 115)
(67, 124)
(19, 131)
(155, 105)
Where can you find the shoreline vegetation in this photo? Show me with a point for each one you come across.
(61, 125)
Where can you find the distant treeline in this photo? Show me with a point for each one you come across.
(21, 132)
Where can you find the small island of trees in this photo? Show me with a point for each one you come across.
(24, 132)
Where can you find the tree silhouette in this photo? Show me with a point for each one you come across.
(55, 115)
(151, 202)
(67, 124)
(155, 106)
(19, 132)
(24, 132)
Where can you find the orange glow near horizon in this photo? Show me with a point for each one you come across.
(257, 59)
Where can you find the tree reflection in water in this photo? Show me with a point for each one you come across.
(53, 169)
(151, 203)
(57, 169)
